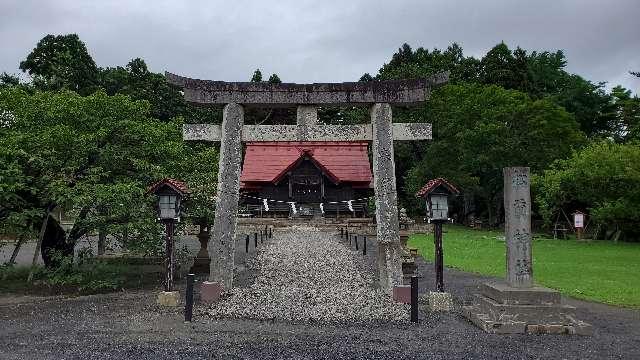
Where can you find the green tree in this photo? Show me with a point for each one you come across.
(9, 80)
(274, 79)
(62, 62)
(93, 156)
(139, 83)
(544, 73)
(588, 102)
(200, 173)
(366, 77)
(409, 64)
(498, 67)
(538, 74)
(601, 179)
(625, 114)
(478, 130)
(257, 76)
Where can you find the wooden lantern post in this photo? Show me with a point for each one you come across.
(170, 193)
(437, 192)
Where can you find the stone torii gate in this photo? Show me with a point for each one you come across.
(379, 96)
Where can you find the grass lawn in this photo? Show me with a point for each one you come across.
(601, 271)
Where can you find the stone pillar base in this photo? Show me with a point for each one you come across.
(502, 309)
(210, 292)
(402, 294)
(389, 266)
(169, 298)
(440, 301)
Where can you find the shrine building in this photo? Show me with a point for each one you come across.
(307, 173)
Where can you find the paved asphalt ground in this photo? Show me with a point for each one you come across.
(128, 325)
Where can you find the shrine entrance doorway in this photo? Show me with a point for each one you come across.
(306, 183)
(306, 188)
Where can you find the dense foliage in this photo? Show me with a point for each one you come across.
(94, 154)
(480, 129)
(603, 179)
(62, 62)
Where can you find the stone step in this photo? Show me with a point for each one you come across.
(487, 323)
(530, 314)
(505, 294)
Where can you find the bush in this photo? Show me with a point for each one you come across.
(604, 180)
(85, 276)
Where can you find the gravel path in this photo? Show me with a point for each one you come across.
(304, 274)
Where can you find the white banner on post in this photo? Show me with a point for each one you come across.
(350, 205)
(293, 207)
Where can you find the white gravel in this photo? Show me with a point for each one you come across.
(304, 274)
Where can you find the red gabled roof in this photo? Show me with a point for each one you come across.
(341, 161)
(433, 184)
(177, 185)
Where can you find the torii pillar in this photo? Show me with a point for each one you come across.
(382, 132)
(384, 183)
(225, 219)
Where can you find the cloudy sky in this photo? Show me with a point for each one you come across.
(324, 41)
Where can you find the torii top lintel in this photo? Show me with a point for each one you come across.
(264, 94)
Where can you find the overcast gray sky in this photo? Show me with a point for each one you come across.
(324, 41)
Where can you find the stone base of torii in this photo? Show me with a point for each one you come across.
(378, 96)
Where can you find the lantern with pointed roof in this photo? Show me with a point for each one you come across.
(437, 192)
(170, 193)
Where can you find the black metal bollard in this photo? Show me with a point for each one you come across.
(188, 304)
(246, 245)
(437, 232)
(261, 237)
(255, 240)
(341, 233)
(364, 245)
(414, 299)
(346, 235)
(355, 237)
(265, 231)
(270, 233)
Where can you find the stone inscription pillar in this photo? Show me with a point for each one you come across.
(224, 225)
(384, 180)
(517, 207)
(518, 307)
